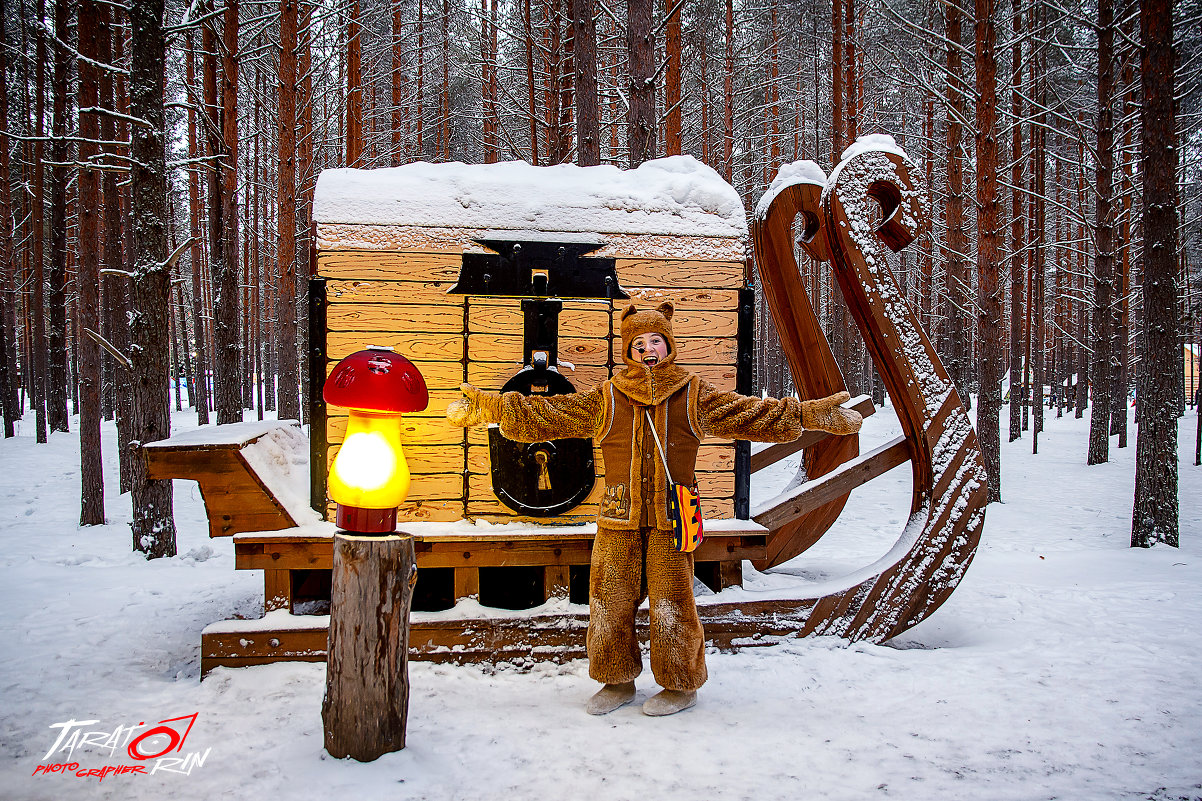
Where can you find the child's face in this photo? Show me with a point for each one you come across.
(650, 349)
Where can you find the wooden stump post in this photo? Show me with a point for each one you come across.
(367, 670)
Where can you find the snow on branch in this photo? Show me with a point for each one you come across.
(100, 65)
(116, 114)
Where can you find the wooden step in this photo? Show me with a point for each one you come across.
(557, 636)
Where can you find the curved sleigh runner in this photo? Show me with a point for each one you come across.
(948, 507)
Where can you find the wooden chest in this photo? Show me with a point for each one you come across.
(389, 270)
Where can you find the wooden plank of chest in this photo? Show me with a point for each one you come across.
(504, 316)
(384, 265)
(699, 299)
(428, 293)
(510, 349)
(361, 316)
(678, 273)
(419, 265)
(415, 347)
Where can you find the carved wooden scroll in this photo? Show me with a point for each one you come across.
(948, 505)
(811, 362)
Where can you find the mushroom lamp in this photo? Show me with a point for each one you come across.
(369, 478)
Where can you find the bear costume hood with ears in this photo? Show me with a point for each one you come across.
(649, 386)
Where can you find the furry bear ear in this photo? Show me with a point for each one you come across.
(629, 311)
(666, 309)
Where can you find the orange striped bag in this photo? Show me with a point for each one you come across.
(684, 505)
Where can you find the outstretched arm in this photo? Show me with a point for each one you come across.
(526, 418)
(733, 416)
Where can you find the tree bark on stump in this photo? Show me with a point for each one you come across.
(367, 675)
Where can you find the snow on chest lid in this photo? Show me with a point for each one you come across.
(677, 196)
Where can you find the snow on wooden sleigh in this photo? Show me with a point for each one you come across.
(666, 231)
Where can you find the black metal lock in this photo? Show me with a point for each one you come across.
(544, 478)
(541, 479)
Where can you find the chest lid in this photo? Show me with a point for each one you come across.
(675, 197)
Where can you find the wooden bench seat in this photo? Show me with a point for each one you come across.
(281, 554)
(227, 461)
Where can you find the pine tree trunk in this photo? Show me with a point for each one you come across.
(728, 97)
(1082, 324)
(1156, 510)
(1122, 348)
(444, 122)
(989, 301)
(773, 95)
(354, 90)
(9, 407)
(551, 52)
(253, 314)
(286, 257)
(153, 521)
(227, 361)
(201, 398)
(419, 98)
(487, 66)
(174, 356)
(672, 77)
(851, 101)
(38, 344)
(641, 122)
(837, 122)
(528, 39)
(307, 180)
(1018, 216)
(115, 282)
(927, 287)
(957, 271)
(249, 276)
(1103, 367)
(584, 37)
(853, 355)
(397, 80)
(707, 153)
(90, 28)
(183, 351)
(1038, 232)
(56, 341)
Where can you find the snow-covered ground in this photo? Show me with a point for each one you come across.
(1065, 666)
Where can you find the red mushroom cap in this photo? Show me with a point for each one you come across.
(376, 380)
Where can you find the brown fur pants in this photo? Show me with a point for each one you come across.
(628, 566)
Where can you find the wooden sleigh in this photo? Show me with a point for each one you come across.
(879, 601)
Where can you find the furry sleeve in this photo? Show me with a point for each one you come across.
(733, 416)
(527, 418)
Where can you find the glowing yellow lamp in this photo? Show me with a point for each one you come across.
(369, 478)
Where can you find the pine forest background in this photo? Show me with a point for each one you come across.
(158, 163)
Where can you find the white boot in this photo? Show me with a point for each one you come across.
(610, 697)
(669, 702)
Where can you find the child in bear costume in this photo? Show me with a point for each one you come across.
(633, 557)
